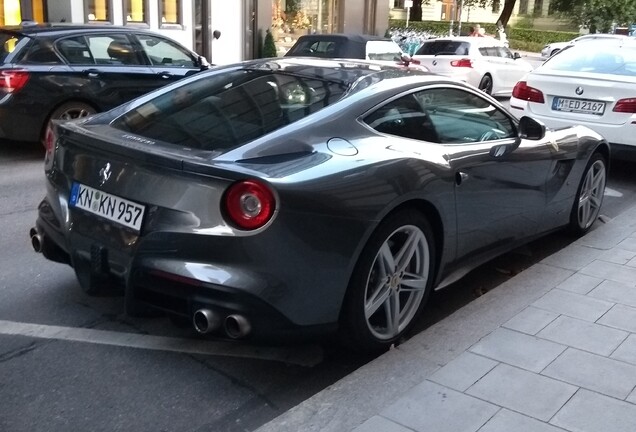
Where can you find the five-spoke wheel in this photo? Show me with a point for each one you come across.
(589, 198)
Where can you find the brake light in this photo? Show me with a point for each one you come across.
(462, 63)
(50, 138)
(249, 204)
(524, 92)
(13, 80)
(625, 106)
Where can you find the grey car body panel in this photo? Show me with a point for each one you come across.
(329, 203)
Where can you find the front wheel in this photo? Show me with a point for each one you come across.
(390, 283)
(589, 197)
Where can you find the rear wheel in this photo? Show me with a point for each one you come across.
(390, 284)
(589, 197)
(485, 84)
(68, 111)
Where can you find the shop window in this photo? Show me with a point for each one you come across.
(170, 12)
(10, 13)
(136, 12)
(97, 11)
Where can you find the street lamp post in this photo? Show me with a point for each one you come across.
(408, 4)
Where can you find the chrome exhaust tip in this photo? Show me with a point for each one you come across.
(36, 240)
(206, 321)
(237, 326)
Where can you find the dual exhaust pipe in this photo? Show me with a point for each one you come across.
(235, 326)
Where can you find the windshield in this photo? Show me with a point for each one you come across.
(228, 109)
(596, 58)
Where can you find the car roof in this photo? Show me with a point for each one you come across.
(54, 29)
(474, 40)
(359, 38)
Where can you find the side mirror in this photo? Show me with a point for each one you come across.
(531, 129)
(203, 63)
(516, 55)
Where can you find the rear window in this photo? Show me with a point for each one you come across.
(314, 48)
(8, 44)
(383, 50)
(444, 47)
(600, 58)
(232, 108)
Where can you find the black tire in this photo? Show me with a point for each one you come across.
(589, 196)
(485, 84)
(68, 111)
(378, 330)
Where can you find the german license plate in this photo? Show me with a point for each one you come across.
(108, 206)
(578, 106)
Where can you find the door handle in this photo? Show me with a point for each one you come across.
(165, 75)
(93, 73)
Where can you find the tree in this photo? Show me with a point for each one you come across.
(596, 15)
(504, 17)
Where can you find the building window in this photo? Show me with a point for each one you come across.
(170, 12)
(97, 11)
(136, 12)
(398, 4)
(10, 13)
(496, 5)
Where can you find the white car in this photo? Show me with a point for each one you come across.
(593, 84)
(552, 48)
(484, 62)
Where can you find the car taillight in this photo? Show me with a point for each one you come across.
(249, 204)
(50, 139)
(524, 92)
(462, 63)
(13, 80)
(625, 106)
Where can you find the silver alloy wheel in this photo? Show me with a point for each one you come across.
(75, 112)
(591, 195)
(397, 282)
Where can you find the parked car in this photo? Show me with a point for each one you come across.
(351, 46)
(300, 196)
(483, 62)
(64, 72)
(552, 48)
(592, 84)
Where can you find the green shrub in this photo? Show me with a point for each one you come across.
(525, 46)
(269, 47)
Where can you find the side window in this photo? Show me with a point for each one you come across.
(504, 52)
(41, 52)
(461, 117)
(165, 53)
(403, 117)
(75, 50)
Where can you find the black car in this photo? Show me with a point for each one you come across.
(65, 72)
(352, 46)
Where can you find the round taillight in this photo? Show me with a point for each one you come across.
(249, 204)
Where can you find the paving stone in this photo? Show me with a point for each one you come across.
(522, 391)
(574, 305)
(583, 335)
(530, 320)
(593, 372)
(616, 292)
(627, 350)
(632, 397)
(628, 244)
(610, 271)
(432, 407)
(518, 349)
(580, 283)
(573, 257)
(631, 263)
(593, 412)
(464, 371)
(508, 421)
(621, 317)
(617, 255)
(377, 424)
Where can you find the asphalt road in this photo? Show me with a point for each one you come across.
(73, 362)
